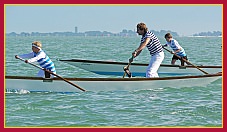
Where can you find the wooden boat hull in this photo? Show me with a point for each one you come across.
(36, 84)
(137, 69)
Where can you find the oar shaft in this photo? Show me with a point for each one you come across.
(187, 61)
(66, 80)
(54, 74)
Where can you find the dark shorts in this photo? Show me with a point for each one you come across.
(176, 58)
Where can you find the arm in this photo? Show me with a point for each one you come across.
(178, 50)
(29, 55)
(141, 47)
(178, 47)
(39, 56)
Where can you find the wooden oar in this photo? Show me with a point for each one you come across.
(53, 74)
(127, 67)
(186, 61)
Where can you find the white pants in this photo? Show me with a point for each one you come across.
(155, 62)
(41, 73)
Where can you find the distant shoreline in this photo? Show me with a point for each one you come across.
(124, 36)
(123, 33)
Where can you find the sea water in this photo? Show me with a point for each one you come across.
(168, 107)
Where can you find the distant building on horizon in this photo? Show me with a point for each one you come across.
(76, 30)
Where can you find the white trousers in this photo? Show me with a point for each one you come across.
(41, 73)
(155, 62)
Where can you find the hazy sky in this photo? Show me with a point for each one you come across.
(183, 19)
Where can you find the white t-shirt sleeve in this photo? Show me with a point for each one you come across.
(29, 55)
(39, 56)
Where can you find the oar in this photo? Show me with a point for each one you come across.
(53, 74)
(186, 61)
(127, 67)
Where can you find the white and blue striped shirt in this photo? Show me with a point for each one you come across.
(175, 46)
(154, 45)
(40, 57)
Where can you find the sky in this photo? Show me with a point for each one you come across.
(186, 20)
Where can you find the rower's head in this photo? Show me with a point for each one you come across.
(168, 37)
(36, 46)
(141, 28)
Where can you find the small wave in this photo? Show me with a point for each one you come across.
(21, 91)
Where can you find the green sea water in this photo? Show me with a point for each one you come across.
(168, 107)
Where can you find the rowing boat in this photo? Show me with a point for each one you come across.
(37, 84)
(137, 69)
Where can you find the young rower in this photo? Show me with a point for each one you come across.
(38, 55)
(177, 49)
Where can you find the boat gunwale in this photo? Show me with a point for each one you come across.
(117, 79)
(136, 64)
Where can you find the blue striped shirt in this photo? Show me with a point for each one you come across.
(175, 46)
(154, 45)
(43, 60)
